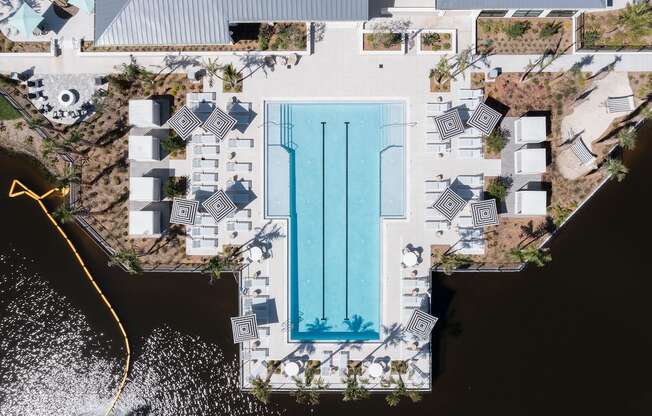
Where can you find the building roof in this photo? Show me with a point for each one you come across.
(144, 189)
(143, 223)
(530, 161)
(531, 202)
(144, 113)
(144, 148)
(196, 22)
(519, 4)
(530, 129)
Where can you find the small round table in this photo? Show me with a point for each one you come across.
(291, 369)
(256, 253)
(375, 370)
(67, 98)
(410, 259)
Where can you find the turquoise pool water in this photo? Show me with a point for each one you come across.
(326, 164)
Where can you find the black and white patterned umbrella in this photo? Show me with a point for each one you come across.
(184, 211)
(449, 204)
(184, 122)
(219, 123)
(245, 328)
(421, 324)
(484, 213)
(484, 118)
(219, 205)
(449, 124)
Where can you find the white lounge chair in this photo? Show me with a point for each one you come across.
(205, 163)
(326, 362)
(207, 178)
(467, 93)
(463, 221)
(344, 363)
(433, 137)
(243, 214)
(441, 225)
(435, 109)
(206, 139)
(241, 143)
(438, 148)
(239, 225)
(472, 181)
(436, 186)
(204, 232)
(202, 150)
(472, 142)
(469, 153)
(205, 220)
(430, 198)
(204, 243)
(432, 214)
(238, 167)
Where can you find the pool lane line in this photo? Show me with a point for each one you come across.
(13, 193)
(346, 220)
(323, 220)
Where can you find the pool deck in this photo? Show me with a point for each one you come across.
(312, 80)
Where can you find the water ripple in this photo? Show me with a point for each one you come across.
(54, 363)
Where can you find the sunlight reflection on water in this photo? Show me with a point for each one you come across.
(53, 363)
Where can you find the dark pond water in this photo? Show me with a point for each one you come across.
(571, 338)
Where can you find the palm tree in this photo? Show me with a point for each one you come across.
(637, 18)
(63, 214)
(443, 71)
(617, 169)
(394, 398)
(627, 139)
(354, 389)
(68, 176)
(261, 389)
(463, 61)
(231, 77)
(532, 255)
(127, 258)
(213, 69)
(307, 391)
(450, 262)
(228, 261)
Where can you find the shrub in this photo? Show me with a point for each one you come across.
(550, 29)
(175, 187)
(497, 188)
(173, 143)
(430, 39)
(591, 38)
(517, 29)
(496, 141)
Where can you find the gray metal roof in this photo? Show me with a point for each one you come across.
(186, 22)
(519, 4)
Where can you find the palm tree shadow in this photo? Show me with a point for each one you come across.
(357, 324)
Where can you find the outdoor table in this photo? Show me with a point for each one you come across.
(375, 370)
(410, 259)
(291, 369)
(256, 253)
(66, 98)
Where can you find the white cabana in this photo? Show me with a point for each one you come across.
(144, 189)
(87, 6)
(530, 161)
(144, 148)
(144, 223)
(25, 20)
(144, 113)
(531, 202)
(530, 130)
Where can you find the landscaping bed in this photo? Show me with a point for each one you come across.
(7, 111)
(435, 41)
(523, 36)
(271, 37)
(608, 30)
(9, 46)
(382, 41)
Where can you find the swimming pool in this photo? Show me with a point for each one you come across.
(334, 169)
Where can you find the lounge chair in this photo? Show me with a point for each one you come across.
(205, 163)
(441, 225)
(469, 153)
(241, 143)
(326, 362)
(472, 142)
(430, 198)
(238, 225)
(472, 181)
(205, 220)
(243, 214)
(436, 186)
(238, 167)
(467, 93)
(464, 221)
(206, 139)
(202, 150)
(208, 178)
(435, 109)
(438, 148)
(343, 363)
(204, 232)
(204, 243)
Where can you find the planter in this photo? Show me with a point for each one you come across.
(382, 43)
(437, 42)
(437, 87)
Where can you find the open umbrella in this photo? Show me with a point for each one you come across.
(25, 19)
(87, 6)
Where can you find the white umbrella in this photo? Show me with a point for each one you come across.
(255, 253)
(291, 369)
(375, 370)
(25, 19)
